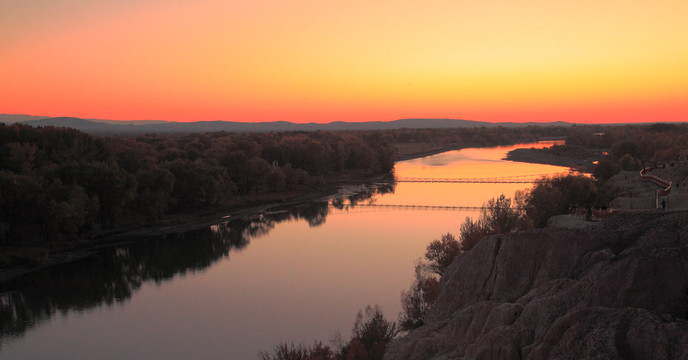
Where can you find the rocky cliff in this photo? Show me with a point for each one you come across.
(616, 290)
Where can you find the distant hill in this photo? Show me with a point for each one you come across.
(14, 118)
(155, 126)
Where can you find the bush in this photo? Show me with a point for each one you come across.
(418, 300)
(282, 351)
(470, 233)
(371, 334)
(496, 217)
(554, 197)
(441, 253)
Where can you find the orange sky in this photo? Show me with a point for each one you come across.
(322, 61)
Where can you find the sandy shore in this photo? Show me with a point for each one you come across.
(582, 160)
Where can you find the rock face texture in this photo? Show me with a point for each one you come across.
(618, 290)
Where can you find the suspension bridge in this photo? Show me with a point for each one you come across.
(373, 207)
(413, 207)
(518, 179)
(367, 208)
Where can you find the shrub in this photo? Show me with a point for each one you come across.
(441, 253)
(371, 334)
(283, 351)
(554, 197)
(417, 301)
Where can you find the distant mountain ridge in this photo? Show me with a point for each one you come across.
(15, 118)
(155, 126)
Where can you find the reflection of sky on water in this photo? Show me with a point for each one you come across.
(473, 162)
(300, 276)
(466, 163)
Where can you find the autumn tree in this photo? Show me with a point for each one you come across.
(496, 217)
(470, 233)
(418, 300)
(284, 351)
(370, 336)
(440, 253)
(554, 196)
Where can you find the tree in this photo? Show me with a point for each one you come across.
(69, 212)
(199, 183)
(295, 178)
(370, 335)
(496, 217)
(470, 233)
(605, 169)
(154, 192)
(629, 163)
(441, 253)
(23, 207)
(276, 179)
(554, 196)
(283, 351)
(114, 187)
(256, 171)
(419, 299)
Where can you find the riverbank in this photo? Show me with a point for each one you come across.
(409, 151)
(559, 155)
(19, 260)
(16, 261)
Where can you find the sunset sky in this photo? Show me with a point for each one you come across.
(322, 61)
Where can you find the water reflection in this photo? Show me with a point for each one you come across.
(114, 275)
(111, 277)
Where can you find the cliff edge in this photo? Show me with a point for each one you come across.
(617, 290)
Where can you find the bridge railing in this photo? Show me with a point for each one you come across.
(516, 179)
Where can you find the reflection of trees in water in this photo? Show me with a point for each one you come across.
(113, 275)
(315, 213)
(367, 193)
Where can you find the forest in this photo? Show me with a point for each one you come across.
(63, 184)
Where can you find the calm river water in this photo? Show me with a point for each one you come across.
(228, 291)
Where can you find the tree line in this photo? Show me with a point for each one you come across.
(632, 147)
(60, 183)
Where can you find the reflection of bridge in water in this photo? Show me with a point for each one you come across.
(518, 179)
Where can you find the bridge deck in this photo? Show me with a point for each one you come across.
(521, 179)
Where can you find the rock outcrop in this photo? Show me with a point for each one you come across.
(618, 290)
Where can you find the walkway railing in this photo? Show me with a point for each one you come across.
(666, 185)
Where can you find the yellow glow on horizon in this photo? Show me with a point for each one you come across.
(318, 61)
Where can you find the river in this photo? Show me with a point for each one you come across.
(294, 275)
